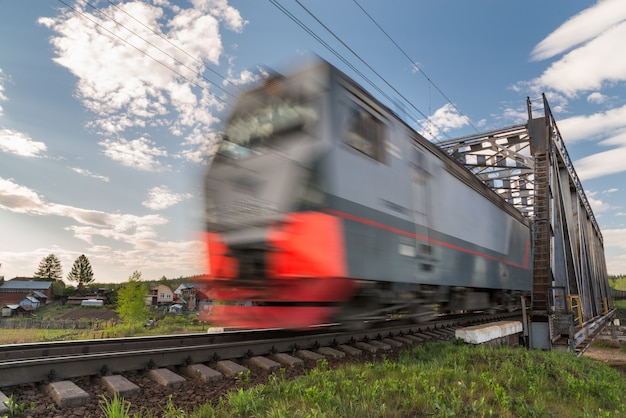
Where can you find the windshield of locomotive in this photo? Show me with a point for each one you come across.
(262, 127)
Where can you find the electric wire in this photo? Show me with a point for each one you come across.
(413, 63)
(373, 70)
(159, 49)
(327, 46)
(174, 70)
(174, 45)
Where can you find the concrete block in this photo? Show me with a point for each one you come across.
(392, 342)
(349, 350)
(331, 352)
(479, 334)
(366, 347)
(119, 385)
(264, 363)
(404, 340)
(205, 373)
(230, 368)
(380, 344)
(309, 355)
(67, 395)
(415, 338)
(287, 360)
(166, 377)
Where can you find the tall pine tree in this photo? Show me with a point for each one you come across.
(49, 269)
(81, 271)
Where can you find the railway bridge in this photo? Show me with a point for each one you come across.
(528, 165)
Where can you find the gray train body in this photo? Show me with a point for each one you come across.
(418, 228)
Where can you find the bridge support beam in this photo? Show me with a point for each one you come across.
(528, 166)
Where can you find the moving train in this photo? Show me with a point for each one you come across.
(323, 206)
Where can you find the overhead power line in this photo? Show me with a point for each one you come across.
(318, 38)
(175, 46)
(431, 82)
(146, 53)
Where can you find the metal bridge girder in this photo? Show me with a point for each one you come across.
(528, 166)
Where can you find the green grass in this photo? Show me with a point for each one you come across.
(169, 324)
(621, 309)
(442, 380)
(437, 380)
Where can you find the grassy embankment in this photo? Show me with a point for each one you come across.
(436, 380)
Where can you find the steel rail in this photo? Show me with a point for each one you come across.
(193, 349)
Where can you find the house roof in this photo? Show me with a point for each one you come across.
(39, 295)
(26, 285)
(161, 285)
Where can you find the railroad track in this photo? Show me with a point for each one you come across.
(39, 366)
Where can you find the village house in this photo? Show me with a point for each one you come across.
(83, 294)
(16, 290)
(160, 295)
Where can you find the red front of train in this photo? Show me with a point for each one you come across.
(275, 258)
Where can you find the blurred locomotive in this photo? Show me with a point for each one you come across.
(324, 206)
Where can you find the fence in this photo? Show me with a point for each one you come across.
(91, 324)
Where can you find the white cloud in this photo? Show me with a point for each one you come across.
(244, 77)
(161, 197)
(19, 143)
(586, 25)
(138, 153)
(201, 146)
(597, 98)
(616, 238)
(585, 127)
(588, 67)
(146, 69)
(21, 199)
(121, 227)
(87, 173)
(592, 38)
(601, 164)
(443, 120)
(597, 205)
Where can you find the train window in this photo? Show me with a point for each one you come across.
(265, 125)
(426, 267)
(365, 132)
(426, 249)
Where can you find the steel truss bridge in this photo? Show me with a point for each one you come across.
(528, 166)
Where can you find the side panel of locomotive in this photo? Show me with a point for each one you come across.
(323, 205)
(411, 214)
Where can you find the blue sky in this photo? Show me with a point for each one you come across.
(107, 114)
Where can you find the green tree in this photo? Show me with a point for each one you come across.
(81, 271)
(58, 288)
(49, 269)
(131, 301)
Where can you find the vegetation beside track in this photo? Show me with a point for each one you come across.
(435, 380)
(439, 380)
(104, 324)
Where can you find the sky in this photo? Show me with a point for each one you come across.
(110, 110)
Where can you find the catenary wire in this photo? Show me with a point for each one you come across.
(175, 71)
(156, 47)
(420, 70)
(371, 68)
(348, 63)
(174, 45)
